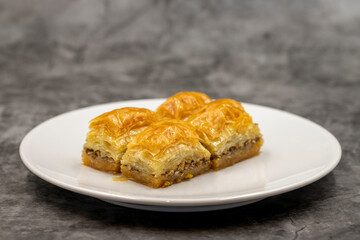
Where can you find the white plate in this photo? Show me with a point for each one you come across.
(296, 152)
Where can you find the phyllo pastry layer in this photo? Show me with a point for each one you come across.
(182, 105)
(227, 131)
(166, 152)
(109, 135)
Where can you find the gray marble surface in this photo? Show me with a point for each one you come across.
(301, 56)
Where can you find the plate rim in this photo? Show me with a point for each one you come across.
(154, 201)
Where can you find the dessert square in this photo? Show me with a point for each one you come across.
(227, 131)
(166, 152)
(109, 134)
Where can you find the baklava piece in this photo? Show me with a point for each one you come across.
(227, 131)
(109, 135)
(166, 152)
(182, 105)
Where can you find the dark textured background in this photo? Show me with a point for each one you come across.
(301, 56)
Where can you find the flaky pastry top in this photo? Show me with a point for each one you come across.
(182, 105)
(112, 131)
(162, 135)
(164, 145)
(221, 119)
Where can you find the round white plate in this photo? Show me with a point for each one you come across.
(296, 152)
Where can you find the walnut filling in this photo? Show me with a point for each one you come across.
(235, 154)
(183, 171)
(96, 154)
(184, 166)
(181, 168)
(93, 158)
(233, 149)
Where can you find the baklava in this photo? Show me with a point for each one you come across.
(227, 131)
(166, 152)
(182, 105)
(109, 134)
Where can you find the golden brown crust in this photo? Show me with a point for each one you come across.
(162, 148)
(111, 132)
(182, 105)
(222, 124)
(165, 134)
(227, 131)
(120, 122)
(211, 120)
